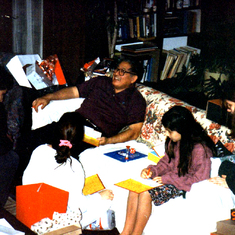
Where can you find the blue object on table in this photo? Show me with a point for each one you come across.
(120, 155)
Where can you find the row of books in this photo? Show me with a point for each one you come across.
(175, 59)
(151, 5)
(182, 22)
(137, 27)
(145, 26)
(179, 4)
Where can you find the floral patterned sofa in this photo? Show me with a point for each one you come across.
(158, 103)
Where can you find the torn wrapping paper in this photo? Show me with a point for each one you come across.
(59, 220)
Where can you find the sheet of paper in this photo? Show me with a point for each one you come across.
(160, 149)
(92, 185)
(91, 135)
(148, 182)
(6, 228)
(137, 186)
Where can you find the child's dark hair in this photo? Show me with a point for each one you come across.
(180, 119)
(70, 128)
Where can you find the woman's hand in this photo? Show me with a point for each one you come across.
(107, 194)
(221, 181)
(146, 173)
(158, 179)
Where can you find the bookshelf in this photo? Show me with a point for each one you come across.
(155, 20)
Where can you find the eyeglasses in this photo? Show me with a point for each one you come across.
(122, 72)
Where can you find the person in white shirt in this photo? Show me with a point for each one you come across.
(57, 166)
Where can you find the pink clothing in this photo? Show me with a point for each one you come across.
(199, 170)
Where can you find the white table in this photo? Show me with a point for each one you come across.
(112, 171)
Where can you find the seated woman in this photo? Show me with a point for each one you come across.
(57, 165)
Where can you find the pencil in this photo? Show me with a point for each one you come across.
(148, 171)
(156, 153)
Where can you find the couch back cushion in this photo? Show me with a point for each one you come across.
(158, 103)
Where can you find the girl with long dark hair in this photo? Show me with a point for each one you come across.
(186, 161)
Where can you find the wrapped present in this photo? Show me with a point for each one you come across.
(61, 223)
(37, 201)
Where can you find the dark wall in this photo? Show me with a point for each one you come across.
(75, 30)
(218, 28)
(5, 26)
(64, 23)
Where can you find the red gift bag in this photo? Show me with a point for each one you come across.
(37, 201)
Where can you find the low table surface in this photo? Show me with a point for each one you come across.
(110, 170)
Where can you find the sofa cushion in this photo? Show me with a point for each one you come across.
(158, 103)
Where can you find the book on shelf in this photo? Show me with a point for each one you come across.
(176, 64)
(191, 51)
(138, 26)
(131, 27)
(155, 66)
(168, 64)
(183, 59)
(92, 185)
(139, 48)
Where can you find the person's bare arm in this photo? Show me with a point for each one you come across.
(130, 134)
(63, 94)
(221, 181)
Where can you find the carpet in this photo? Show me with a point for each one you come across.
(10, 206)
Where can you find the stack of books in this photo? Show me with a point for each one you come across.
(175, 59)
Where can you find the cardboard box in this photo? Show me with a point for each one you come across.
(70, 230)
(37, 201)
(226, 227)
(19, 63)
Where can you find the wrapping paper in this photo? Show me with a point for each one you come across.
(59, 220)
